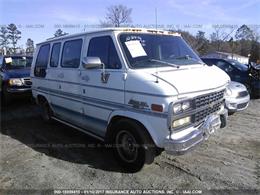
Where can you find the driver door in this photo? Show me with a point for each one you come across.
(101, 95)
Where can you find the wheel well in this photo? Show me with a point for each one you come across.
(113, 122)
(41, 99)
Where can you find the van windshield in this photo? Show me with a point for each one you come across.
(153, 50)
(17, 62)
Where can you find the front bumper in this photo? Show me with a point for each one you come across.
(180, 144)
(236, 104)
(18, 90)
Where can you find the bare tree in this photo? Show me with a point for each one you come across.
(188, 37)
(220, 36)
(244, 32)
(117, 15)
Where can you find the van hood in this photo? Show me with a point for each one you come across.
(193, 78)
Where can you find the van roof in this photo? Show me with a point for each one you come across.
(133, 30)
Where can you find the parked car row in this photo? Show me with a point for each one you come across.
(140, 90)
(249, 76)
(15, 76)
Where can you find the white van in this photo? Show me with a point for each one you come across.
(141, 90)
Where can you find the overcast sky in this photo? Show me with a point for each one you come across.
(39, 19)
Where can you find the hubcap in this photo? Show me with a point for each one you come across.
(126, 146)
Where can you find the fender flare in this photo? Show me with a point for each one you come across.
(137, 117)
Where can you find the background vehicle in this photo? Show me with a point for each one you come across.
(15, 76)
(254, 74)
(238, 72)
(141, 90)
(236, 97)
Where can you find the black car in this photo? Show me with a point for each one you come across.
(238, 72)
(15, 76)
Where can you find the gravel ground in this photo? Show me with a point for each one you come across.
(36, 155)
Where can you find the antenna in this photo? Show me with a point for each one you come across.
(156, 19)
(156, 72)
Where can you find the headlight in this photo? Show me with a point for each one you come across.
(177, 108)
(180, 107)
(15, 82)
(228, 92)
(185, 105)
(181, 122)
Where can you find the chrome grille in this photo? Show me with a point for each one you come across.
(208, 99)
(240, 106)
(199, 116)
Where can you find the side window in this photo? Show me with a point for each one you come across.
(71, 54)
(221, 64)
(224, 66)
(42, 61)
(104, 48)
(55, 54)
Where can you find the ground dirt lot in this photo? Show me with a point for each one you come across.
(35, 155)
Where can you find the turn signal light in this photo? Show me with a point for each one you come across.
(157, 107)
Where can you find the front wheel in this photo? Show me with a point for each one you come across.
(133, 145)
(46, 112)
(249, 89)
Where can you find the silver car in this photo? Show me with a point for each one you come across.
(236, 97)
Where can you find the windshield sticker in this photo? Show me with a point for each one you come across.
(8, 60)
(135, 48)
(132, 37)
(139, 38)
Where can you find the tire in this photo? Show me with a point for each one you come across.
(223, 121)
(231, 113)
(249, 89)
(46, 112)
(133, 146)
(5, 97)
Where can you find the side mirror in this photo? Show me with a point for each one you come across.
(92, 62)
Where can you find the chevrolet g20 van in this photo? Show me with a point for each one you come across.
(142, 91)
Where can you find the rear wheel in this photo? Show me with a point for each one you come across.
(46, 111)
(133, 145)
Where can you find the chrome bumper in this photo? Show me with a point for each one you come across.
(182, 144)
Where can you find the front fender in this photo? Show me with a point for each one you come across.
(153, 125)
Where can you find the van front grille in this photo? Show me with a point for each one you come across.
(199, 116)
(209, 99)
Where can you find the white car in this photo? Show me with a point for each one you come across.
(142, 90)
(236, 97)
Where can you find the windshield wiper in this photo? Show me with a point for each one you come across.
(163, 62)
(186, 57)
